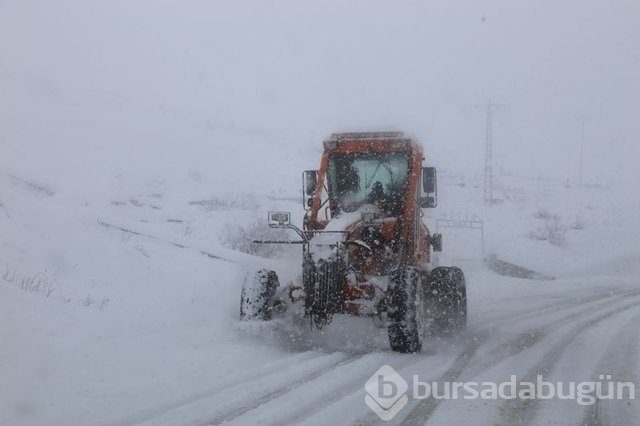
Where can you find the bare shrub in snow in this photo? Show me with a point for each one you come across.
(552, 230)
(90, 302)
(94, 303)
(241, 237)
(87, 301)
(577, 223)
(196, 175)
(38, 283)
(544, 214)
(45, 285)
(104, 302)
(135, 202)
(141, 249)
(36, 189)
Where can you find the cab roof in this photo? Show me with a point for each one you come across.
(360, 142)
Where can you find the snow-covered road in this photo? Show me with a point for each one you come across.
(569, 331)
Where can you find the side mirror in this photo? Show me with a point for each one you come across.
(429, 188)
(429, 180)
(309, 185)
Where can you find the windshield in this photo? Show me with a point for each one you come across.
(377, 179)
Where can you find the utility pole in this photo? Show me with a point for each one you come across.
(488, 152)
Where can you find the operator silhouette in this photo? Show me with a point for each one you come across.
(377, 194)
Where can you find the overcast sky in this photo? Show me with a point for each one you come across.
(168, 84)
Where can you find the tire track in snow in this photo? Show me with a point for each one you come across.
(433, 366)
(530, 336)
(524, 340)
(246, 376)
(315, 395)
(566, 303)
(523, 410)
(423, 409)
(354, 386)
(327, 388)
(225, 399)
(621, 361)
(346, 382)
(288, 388)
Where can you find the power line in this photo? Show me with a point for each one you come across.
(488, 151)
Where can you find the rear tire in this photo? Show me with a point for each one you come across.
(258, 296)
(446, 301)
(405, 311)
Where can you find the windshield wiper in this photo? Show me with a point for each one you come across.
(380, 164)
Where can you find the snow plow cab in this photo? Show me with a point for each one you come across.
(366, 250)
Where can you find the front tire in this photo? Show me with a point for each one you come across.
(405, 311)
(446, 301)
(258, 296)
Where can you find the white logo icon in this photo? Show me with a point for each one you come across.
(386, 392)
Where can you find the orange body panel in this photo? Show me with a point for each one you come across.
(408, 231)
